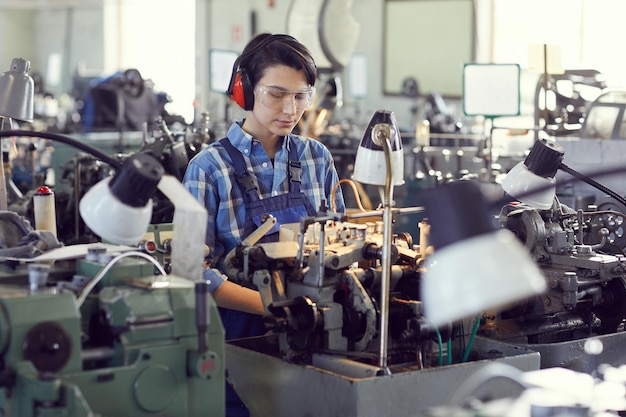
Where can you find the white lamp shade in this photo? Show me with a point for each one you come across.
(111, 219)
(520, 182)
(370, 166)
(459, 282)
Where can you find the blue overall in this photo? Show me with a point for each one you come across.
(286, 208)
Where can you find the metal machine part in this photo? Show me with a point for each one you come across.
(136, 344)
(321, 286)
(611, 216)
(562, 101)
(157, 242)
(586, 277)
(323, 292)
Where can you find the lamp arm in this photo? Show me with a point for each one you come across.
(496, 205)
(66, 140)
(388, 183)
(384, 137)
(593, 183)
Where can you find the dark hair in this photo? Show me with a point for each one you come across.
(266, 50)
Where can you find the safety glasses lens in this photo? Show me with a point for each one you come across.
(276, 97)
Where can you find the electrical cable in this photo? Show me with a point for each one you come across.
(593, 183)
(461, 332)
(440, 345)
(357, 195)
(470, 344)
(98, 277)
(66, 140)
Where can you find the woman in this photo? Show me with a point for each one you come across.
(260, 168)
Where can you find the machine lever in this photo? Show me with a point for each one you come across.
(202, 323)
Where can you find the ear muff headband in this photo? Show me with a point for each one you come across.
(240, 88)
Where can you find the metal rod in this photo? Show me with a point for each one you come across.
(384, 136)
(320, 277)
(379, 213)
(4, 196)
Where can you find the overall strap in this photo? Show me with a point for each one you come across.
(244, 178)
(294, 166)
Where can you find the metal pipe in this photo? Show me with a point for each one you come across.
(379, 213)
(320, 276)
(97, 354)
(382, 133)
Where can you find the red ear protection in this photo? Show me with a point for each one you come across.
(240, 89)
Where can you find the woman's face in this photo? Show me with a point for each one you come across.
(280, 98)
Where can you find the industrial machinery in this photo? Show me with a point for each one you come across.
(563, 100)
(581, 255)
(102, 335)
(79, 174)
(321, 286)
(317, 274)
(88, 330)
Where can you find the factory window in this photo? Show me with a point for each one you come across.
(601, 121)
(157, 37)
(584, 30)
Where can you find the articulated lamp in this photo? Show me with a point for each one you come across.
(536, 172)
(475, 267)
(16, 103)
(532, 181)
(371, 165)
(119, 210)
(380, 161)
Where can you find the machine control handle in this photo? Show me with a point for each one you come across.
(202, 316)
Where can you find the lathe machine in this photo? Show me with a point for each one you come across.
(581, 255)
(100, 334)
(321, 286)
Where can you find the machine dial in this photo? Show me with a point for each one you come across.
(48, 346)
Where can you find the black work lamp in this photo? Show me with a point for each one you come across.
(119, 208)
(536, 172)
(370, 166)
(533, 181)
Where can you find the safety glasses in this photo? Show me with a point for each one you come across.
(276, 98)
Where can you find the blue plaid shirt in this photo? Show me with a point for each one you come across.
(210, 177)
